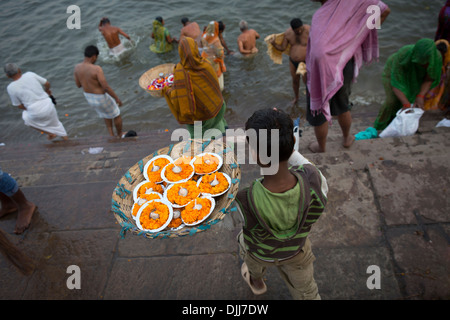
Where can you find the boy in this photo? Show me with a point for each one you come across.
(278, 212)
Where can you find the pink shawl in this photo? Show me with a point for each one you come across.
(338, 32)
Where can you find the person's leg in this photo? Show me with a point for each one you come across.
(8, 205)
(389, 108)
(320, 124)
(255, 269)
(321, 133)
(118, 125)
(109, 126)
(345, 122)
(50, 136)
(295, 81)
(10, 188)
(340, 104)
(26, 211)
(298, 274)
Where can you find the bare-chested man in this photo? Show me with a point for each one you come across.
(97, 91)
(247, 39)
(111, 35)
(296, 36)
(190, 29)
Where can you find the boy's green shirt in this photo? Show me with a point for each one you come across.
(279, 210)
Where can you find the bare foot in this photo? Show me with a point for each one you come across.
(347, 142)
(294, 102)
(24, 217)
(314, 147)
(51, 136)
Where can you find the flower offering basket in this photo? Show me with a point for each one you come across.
(122, 197)
(146, 79)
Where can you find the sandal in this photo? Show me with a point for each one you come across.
(246, 275)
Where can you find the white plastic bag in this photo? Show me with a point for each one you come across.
(405, 123)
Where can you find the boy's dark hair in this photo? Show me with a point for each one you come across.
(91, 51)
(159, 18)
(105, 21)
(184, 20)
(270, 119)
(296, 23)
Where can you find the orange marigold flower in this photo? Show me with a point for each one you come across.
(174, 196)
(186, 172)
(155, 168)
(175, 223)
(135, 209)
(151, 196)
(147, 186)
(191, 215)
(147, 222)
(206, 187)
(206, 163)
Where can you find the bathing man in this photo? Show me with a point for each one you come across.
(247, 39)
(297, 37)
(97, 91)
(111, 35)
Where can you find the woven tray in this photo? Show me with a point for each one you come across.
(146, 79)
(122, 197)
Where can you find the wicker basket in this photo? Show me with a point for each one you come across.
(146, 79)
(122, 198)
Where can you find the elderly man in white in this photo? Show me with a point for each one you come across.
(31, 93)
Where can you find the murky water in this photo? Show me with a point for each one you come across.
(34, 35)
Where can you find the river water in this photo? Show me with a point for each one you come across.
(34, 34)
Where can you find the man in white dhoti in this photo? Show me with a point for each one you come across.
(31, 93)
(99, 95)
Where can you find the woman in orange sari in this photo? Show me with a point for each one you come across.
(438, 98)
(213, 50)
(195, 94)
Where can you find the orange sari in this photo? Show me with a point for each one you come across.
(213, 49)
(433, 99)
(195, 94)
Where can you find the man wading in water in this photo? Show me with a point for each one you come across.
(297, 37)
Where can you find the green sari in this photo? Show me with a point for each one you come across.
(160, 32)
(218, 123)
(406, 70)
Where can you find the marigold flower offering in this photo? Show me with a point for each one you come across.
(196, 210)
(149, 187)
(206, 163)
(154, 215)
(155, 168)
(182, 193)
(213, 183)
(178, 172)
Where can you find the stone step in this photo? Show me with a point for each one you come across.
(110, 166)
(80, 146)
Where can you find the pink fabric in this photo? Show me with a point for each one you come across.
(338, 32)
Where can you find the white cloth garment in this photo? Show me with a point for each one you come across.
(117, 50)
(40, 112)
(42, 115)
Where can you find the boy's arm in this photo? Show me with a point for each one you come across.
(297, 159)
